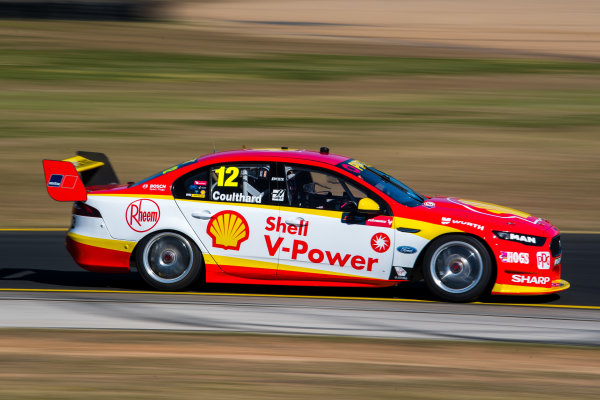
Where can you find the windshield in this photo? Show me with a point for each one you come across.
(384, 182)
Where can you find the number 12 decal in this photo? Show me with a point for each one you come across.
(231, 173)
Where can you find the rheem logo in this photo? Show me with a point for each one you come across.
(142, 215)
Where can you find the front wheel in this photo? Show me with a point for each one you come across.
(457, 268)
(169, 261)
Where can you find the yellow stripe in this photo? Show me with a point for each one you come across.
(110, 244)
(273, 207)
(265, 206)
(292, 268)
(285, 296)
(242, 262)
(323, 213)
(138, 196)
(581, 232)
(502, 288)
(427, 230)
(33, 229)
(495, 208)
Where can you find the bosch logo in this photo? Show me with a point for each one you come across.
(142, 215)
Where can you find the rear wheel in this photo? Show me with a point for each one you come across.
(169, 261)
(457, 268)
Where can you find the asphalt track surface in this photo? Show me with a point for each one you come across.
(41, 287)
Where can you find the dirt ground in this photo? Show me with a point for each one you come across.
(555, 27)
(152, 365)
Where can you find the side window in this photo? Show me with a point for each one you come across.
(313, 188)
(193, 185)
(240, 183)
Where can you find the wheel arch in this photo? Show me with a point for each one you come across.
(418, 274)
(136, 248)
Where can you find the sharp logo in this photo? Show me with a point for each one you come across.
(535, 280)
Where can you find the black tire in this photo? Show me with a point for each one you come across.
(457, 268)
(169, 261)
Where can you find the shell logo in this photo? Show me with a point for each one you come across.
(228, 229)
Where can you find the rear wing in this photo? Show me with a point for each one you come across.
(67, 180)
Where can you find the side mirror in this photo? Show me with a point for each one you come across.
(368, 206)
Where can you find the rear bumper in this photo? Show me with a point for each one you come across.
(557, 286)
(100, 255)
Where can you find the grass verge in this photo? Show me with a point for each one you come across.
(131, 365)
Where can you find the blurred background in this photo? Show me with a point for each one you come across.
(497, 101)
(479, 99)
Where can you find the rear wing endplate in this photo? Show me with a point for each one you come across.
(67, 180)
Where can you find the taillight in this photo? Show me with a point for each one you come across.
(80, 208)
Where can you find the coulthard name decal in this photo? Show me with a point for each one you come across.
(236, 197)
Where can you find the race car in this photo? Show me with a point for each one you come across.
(298, 217)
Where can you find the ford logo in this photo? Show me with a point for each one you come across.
(406, 249)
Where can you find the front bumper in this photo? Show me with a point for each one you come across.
(556, 286)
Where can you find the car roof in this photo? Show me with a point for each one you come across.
(272, 155)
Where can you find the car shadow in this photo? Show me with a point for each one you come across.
(32, 278)
(40, 279)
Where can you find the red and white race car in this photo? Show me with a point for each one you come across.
(297, 217)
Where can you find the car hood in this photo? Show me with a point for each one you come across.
(492, 216)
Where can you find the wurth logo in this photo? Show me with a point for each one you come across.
(447, 221)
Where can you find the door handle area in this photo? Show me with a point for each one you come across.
(205, 214)
(295, 221)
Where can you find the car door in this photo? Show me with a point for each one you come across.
(319, 241)
(228, 206)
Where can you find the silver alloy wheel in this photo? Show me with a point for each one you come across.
(168, 257)
(456, 267)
